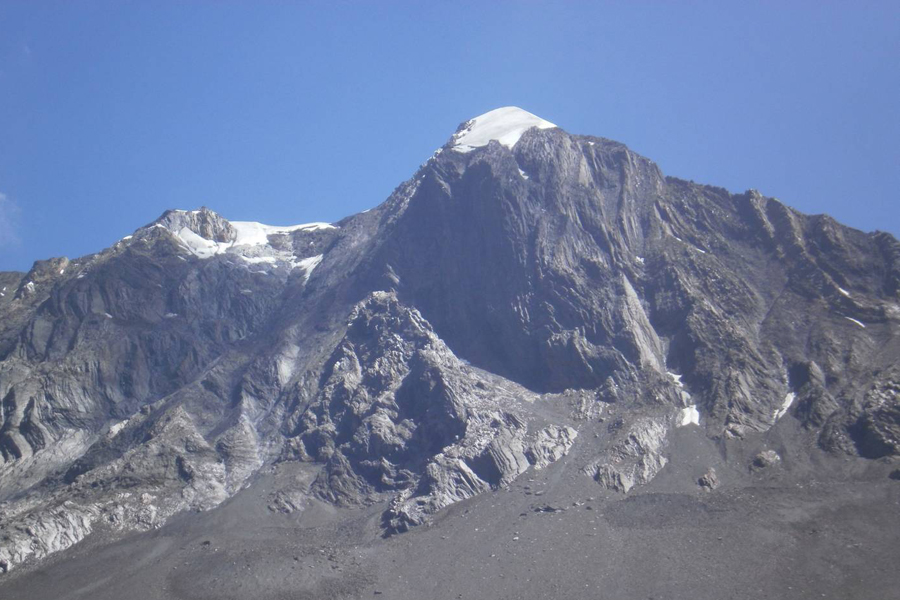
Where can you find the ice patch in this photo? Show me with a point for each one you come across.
(308, 265)
(788, 400)
(506, 125)
(855, 321)
(688, 416)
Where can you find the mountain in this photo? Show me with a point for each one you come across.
(537, 334)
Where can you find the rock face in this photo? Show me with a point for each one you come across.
(764, 460)
(709, 480)
(525, 286)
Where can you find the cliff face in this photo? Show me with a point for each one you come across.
(511, 298)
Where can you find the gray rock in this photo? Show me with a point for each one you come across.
(765, 460)
(709, 480)
(635, 460)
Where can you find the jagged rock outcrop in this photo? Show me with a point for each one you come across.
(765, 460)
(635, 459)
(399, 414)
(709, 480)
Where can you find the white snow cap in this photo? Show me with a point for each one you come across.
(506, 125)
(251, 242)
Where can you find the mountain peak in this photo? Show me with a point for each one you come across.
(506, 125)
(205, 234)
(203, 222)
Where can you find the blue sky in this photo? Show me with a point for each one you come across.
(287, 113)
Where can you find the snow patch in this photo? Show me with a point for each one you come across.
(640, 259)
(260, 259)
(688, 416)
(251, 242)
(785, 405)
(855, 321)
(685, 396)
(251, 233)
(107, 315)
(843, 291)
(308, 265)
(523, 174)
(506, 125)
(115, 428)
(199, 246)
(286, 362)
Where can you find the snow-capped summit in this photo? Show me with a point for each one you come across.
(205, 234)
(506, 125)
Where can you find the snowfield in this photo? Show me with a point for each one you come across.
(506, 125)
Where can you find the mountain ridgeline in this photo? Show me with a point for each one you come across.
(529, 296)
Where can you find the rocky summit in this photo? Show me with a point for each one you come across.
(539, 369)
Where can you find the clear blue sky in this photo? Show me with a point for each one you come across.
(287, 112)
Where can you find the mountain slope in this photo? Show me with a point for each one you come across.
(528, 297)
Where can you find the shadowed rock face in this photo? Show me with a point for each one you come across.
(499, 303)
